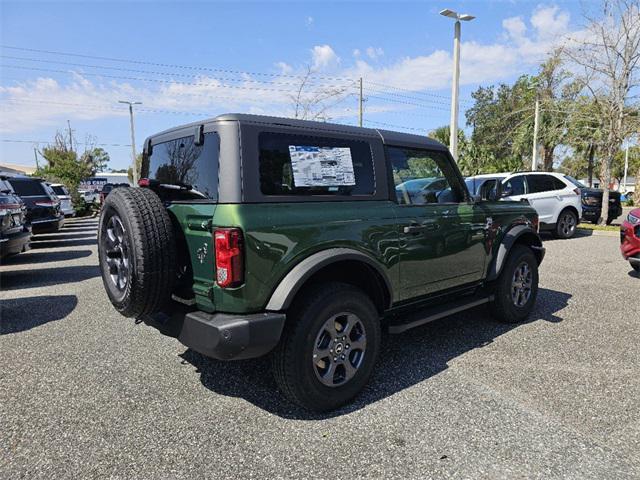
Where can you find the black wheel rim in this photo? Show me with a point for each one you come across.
(339, 349)
(567, 224)
(521, 284)
(117, 253)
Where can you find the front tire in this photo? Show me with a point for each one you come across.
(329, 347)
(566, 224)
(517, 286)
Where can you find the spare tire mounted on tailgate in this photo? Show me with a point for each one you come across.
(136, 248)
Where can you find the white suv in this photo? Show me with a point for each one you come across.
(556, 199)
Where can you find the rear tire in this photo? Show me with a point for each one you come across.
(635, 266)
(566, 224)
(137, 251)
(516, 287)
(329, 347)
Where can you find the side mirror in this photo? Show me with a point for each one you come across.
(506, 192)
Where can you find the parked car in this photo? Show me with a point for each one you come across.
(107, 188)
(553, 195)
(15, 233)
(66, 206)
(592, 202)
(630, 239)
(90, 196)
(296, 242)
(43, 206)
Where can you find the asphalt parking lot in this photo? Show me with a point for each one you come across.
(85, 393)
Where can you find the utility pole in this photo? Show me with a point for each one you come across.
(536, 126)
(360, 105)
(70, 136)
(133, 140)
(35, 154)
(455, 84)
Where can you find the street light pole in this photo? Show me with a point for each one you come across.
(133, 140)
(455, 84)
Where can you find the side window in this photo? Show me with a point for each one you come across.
(540, 183)
(514, 186)
(558, 184)
(182, 163)
(423, 177)
(309, 165)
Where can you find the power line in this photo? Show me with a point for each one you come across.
(154, 80)
(11, 140)
(428, 107)
(166, 65)
(416, 92)
(165, 74)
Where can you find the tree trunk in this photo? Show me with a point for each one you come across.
(548, 158)
(591, 151)
(636, 194)
(605, 179)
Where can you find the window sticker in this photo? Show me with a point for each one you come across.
(321, 166)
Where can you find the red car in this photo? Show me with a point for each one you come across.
(630, 239)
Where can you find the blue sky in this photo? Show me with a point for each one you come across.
(249, 57)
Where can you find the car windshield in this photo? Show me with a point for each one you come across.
(59, 189)
(575, 182)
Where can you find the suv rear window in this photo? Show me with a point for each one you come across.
(544, 183)
(59, 190)
(181, 162)
(28, 188)
(310, 165)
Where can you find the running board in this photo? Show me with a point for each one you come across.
(441, 311)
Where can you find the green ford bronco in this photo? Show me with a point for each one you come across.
(255, 235)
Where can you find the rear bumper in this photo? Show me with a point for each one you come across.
(220, 335)
(592, 213)
(15, 244)
(47, 224)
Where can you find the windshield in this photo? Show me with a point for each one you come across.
(28, 188)
(575, 182)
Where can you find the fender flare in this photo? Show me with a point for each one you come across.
(289, 286)
(509, 239)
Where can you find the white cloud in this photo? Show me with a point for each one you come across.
(522, 44)
(323, 56)
(309, 21)
(284, 68)
(374, 53)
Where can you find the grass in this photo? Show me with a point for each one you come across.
(606, 228)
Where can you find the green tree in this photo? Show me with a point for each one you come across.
(96, 159)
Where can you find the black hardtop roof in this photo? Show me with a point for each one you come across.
(388, 136)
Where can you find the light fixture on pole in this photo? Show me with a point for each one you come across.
(453, 128)
(133, 140)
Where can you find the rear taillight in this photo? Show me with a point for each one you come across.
(49, 203)
(144, 182)
(229, 251)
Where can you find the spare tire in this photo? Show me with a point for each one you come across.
(137, 251)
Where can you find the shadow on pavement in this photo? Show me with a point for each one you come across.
(37, 257)
(42, 277)
(405, 360)
(18, 314)
(634, 273)
(65, 243)
(62, 235)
